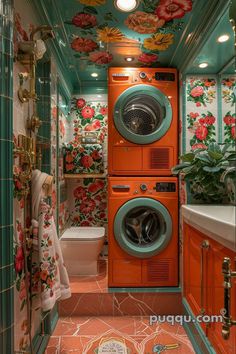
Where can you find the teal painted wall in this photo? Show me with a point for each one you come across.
(6, 181)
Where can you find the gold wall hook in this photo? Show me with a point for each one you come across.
(34, 123)
(23, 94)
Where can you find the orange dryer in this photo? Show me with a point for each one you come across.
(142, 121)
(142, 231)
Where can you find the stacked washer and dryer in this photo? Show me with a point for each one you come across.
(142, 193)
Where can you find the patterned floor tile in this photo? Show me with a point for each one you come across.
(84, 335)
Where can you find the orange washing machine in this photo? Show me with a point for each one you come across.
(142, 231)
(142, 121)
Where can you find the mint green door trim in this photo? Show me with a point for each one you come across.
(147, 250)
(136, 91)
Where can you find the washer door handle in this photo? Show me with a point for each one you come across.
(120, 186)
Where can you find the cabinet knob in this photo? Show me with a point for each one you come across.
(205, 244)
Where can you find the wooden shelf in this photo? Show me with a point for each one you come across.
(84, 175)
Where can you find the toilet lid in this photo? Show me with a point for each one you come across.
(83, 233)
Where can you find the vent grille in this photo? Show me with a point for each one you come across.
(159, 159)
(159, 270)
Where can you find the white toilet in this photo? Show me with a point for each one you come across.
(80, 248)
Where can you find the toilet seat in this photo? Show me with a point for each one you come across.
(83, 233)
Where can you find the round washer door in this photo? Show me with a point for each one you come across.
(143, 227)
(142, 114)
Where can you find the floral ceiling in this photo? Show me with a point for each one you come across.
(91, 35)
(148, 32)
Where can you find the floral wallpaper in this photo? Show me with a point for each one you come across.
(205, 122)
(209, 114)
(201, 112)
(88, 118)
(153, 26)
(64, 127)
(86, 158)
(88, 198)
(228, 92)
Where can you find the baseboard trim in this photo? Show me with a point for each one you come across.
(195, 333)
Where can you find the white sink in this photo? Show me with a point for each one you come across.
(216, 221)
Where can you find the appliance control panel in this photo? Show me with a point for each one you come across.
(165, 187)
(164, 76)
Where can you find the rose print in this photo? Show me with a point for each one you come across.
(171, 9)
(100, 58)
(80, 193)
(202, 127)
(93, 188)
(87, 206)
(200, 91)
(83, 45)
(147, 58)
(143, 22)
(80, 103)
(84, 20)
(86, 161)
(87, 112)
(91, 211)
(197, 91)
(229, 127)
(198, 146)
(201, 132)
(95, 155)
(19, 260)
(103, 110)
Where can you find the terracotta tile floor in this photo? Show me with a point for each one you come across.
(91, 284)
(84, 335)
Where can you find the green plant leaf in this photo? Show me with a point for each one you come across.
(231, 156)
(178, 168)
(211, 169)
(215, 155)
(187, 157)
(225, 147)
(204, 158)
(214, 147)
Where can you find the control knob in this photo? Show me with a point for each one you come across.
(142, 75)
(143, 187)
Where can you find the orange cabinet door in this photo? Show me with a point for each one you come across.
(197, 266)
(216, 300)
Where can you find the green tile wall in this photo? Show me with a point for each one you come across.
(6, 182)
(43, 86)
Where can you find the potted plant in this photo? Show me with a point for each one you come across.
(229, 178)
(202, 170)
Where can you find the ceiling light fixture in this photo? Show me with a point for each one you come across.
(223, 38)
(129, 59)
(94, 75)
(126, 5)
(203, 65)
